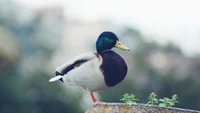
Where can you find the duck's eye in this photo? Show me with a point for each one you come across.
(119, 43)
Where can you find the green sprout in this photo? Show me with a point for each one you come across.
(174, 100)
(152, 99)
(129, 98)
(166, 102)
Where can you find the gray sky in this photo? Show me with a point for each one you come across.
(162, 20)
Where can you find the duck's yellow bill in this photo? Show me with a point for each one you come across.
(121, 46)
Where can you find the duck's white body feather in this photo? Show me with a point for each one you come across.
(88, 75)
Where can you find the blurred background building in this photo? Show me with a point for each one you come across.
(37, 36)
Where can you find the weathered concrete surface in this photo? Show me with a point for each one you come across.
(134, 108)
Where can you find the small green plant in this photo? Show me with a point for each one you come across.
(129, 98)
(166, 102)
(152, 99)
(174, 100)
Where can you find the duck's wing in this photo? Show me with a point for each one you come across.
(75, 62)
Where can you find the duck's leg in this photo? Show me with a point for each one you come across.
(93, 98)
(95, 101)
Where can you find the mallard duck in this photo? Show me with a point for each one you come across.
(95, 71)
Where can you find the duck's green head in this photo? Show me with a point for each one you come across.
(108, 40)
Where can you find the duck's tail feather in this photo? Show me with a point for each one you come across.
(55, 78)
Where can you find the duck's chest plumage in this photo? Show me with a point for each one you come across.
(114, 67)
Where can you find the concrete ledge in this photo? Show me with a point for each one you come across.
(134, 108)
